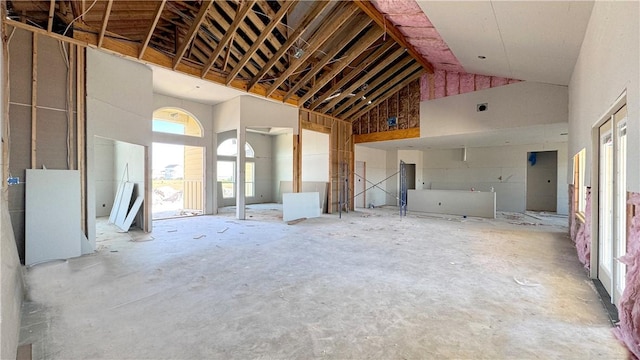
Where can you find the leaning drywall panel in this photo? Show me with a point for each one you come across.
(465, 203)
(282, 162)
(606, 67)
(300, 205)
(52, 215)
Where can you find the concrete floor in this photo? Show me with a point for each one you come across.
(369, 285)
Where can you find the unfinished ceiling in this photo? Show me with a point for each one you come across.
(327, 56)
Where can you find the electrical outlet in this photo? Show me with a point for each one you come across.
(13, 180)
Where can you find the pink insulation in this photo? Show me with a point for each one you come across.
(424, 87)
(583, 235)
(453, 83)
(467, 83)
(498, 81)
(408, 17)
(483, 82)
(439, 83)
(628, 330)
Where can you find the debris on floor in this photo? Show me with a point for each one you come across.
(293, 222)
(223, 230)
(199, 236)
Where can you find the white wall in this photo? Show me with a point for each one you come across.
(11, 282)
(510, 106)
(262, 112)
(412, 157)
(204, 114)
(608, 64)
(282, 162)
(502, 167)
(119, 106)
(376, 170)
(105, 177)
(315, 156)
(393, 180)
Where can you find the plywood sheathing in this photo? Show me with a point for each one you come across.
(628, 330)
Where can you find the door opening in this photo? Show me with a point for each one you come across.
(542, 181)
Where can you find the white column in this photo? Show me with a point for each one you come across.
(240, 174)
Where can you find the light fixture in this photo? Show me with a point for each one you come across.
(364, 97)
(298, 53)
(369, 102)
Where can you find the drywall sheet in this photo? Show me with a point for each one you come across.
(466, 203)
(52, 215)
(307, 186)
(123, 203)
(131, 215)
(300, 205)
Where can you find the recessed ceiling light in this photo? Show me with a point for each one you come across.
(481, 57)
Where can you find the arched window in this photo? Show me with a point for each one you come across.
(227, 151)
(229, 148)
(176, 121)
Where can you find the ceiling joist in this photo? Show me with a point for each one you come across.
(204, 8)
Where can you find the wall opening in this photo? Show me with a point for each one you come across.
(542, 179)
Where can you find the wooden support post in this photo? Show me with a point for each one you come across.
(70, 123)
(5, 106)
(34, 99)
(297, 162)
(80, 134)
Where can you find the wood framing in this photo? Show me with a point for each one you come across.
(34, 100)
(341, 151)
(152, 27)
(195, 26)
(105, 21)
(387, 135)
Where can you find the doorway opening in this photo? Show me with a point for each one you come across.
(542, 181)
(178, 178)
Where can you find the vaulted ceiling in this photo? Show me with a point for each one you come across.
(334, 57)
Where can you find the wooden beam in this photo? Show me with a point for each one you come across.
(345, 38)
(381, 77)
(81, 133)
(202, 15)
(393, 57)
(70, 111)
(374, 14)
(152, 27)
(263, 35)
(52, 10)
(340, 17)
(411, 133)
(355, 72)
(309, 17)
(5, 103)
(371, 37)
(34, 100)
(240, 15)
(105, 20)
(386, 91)
(226, 58)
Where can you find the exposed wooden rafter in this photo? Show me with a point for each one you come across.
(409, 75)
(340, 17)
(52, 9)
(362, 46)
(386, 76)
(374, 14)
(105, 21)
(345, 38)
(364, 79)
(242, 12)
(379, 52)
(263, 35)
(152, 27)
(315, 12)
(204, 8)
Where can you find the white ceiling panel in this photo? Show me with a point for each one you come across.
(527, 40)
